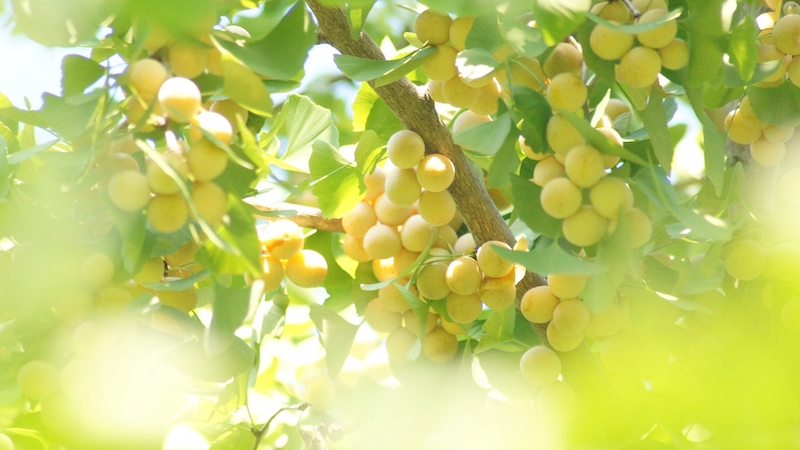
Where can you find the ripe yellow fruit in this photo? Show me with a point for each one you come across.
(749, 116)
(584, 228)
(390, 213)
(540, 365)
(546, 171)
(560, 198)
(307, 269)
(560, 341)
(647, 5)
(405, 149)
(382, 241)
(609, 195)
(616, 108)
(459, 94)
(137, 115)
(538, 304)
(112, 299)
(525, 71)
(463, 276)
(152, 271)
(416, 233)
(459, 29)
(530, 153)
(610, 44)
(398, 343)
(180, 99)
(435, 91)
(359, 220)
(660, 36)
(354, 248)
(432, 281)
(437, 208)
(564, 58)
(185, 300)
(567, 91)
(128, 190)
(778, 134)
(167, 213)
(571, 317)
(446, 237)
(230, 110)
(402, 187)
(146, 77)
(464, 309)
(439, 346)
(567, 286)
(487, 100)
(639, 67)
(38, 380)
(375, 184)
(441, 65)
(766, 152)
(612, 11)
(745, 259)
(433, 28)
(786, 34)
(610, 161)
(584, 166)
(411, 321)
(674, 56)
(492, 264)
(212, 123)
(162, 183)
(641, 227)
(468, 119)
(272, 272)
(435, 173)
(498, 293)
(392, 299)
(737, 130)
(464, 244)
(561, 136)
(183, 256)
(211, 201)
(186, 59)
(282, 238)
(381, 319)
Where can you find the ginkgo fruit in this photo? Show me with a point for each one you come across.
(490, 262)
(777, 133)
(610, 195)
(738, 131)
(272, 272)
(439, 346)
(786, 34)
(612, 11)
(307, 268)
(498, 293)
(566, 91)
(209, 123)
(437, 208)
(459, 94)
(392, 298)
(608, 43)
(641, 227)
(390, 213)
(354, 248)
(381, 319)
(152, 271)
(660, 36)
(184, 300)
(417, 233)
(435, 173)
(548, 170)
(564, 58)
(146, 76)
(382, 241)
(128, 190)
(412, 323)
(561, 136)
(584, 166)
(432, 281)
(463, 276)
(432, 27)
(487, 99)
(560, 341)
(675, 55)
(282, 238)
(540, 365)
(402, 187)
(97, 270)
(211, 201)
(206, 161)
(538, 304)
(186, 59)
(463, 309)
(571, 317)
(441, 65)
(560, 198)
(584, 228)
(405, 149)
(159, 180)
(766, 152)
(180, 99)
(359, 220)
(639, 67)
(566, 286)
(398, 343)
(167, 213)
(38, 380)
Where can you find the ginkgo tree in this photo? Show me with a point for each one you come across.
(474, 235)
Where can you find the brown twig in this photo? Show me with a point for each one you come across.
(305, 216)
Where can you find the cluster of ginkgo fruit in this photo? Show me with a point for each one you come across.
(639, 65)
(283, 255)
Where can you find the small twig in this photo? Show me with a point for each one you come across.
(305, 216)
(633, 10)
(259, 433)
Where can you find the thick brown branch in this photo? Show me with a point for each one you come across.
(304, 216)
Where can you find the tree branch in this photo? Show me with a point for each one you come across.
(304, 216)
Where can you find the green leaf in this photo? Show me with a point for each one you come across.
(639, 27)
(505, 162)
(731, 77)
(549, 258)
(30, 152)
(357, 11)
(535, 113)
(529, 208)
(485, 138)
(485, 33)
(230, 309)
(365, 69)
(281, 54)
(323, 242)
(262, 21)
(604, 69)
(742, 47)
(235, 439)
(77, 74)
(613, 253)
(241, 238)
(337, 183)
(420, 309)
(191, 359)
(600, 141)
(305, 122)
(368, 151)
(66, 117)
(708, 38)
(244, 87)
(780, 104)
(655, 120)
(713, 141)
(557, 19)
(523, 39)
(475, 63)
(55, 23)
(335, 334)
(498, 329)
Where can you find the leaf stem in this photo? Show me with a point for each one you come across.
(259, 433)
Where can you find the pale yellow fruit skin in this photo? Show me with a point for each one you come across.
(584, 228)
(375, 184)
(459, 30)
(745, 259)
(613, 11)
(661, 36)
(737, 130)
(584, 166)
(564, 58)
(431, 281)
(674, 56)
(354, 248)
(610, 44)
(128, 190)
(498, 293)
(167, 213)
(381, 319)
(97, 270)
(186, 59)
(639, 67)
(435, 91)
(180, 99)
(778, 134)
(463, 309)
(5, 442)
(411, 321)
(160, 182)
(561, 136)
(146, 76)
(566, 91)
(398, 343)
(151, 272)
(571, 317)
(487, 100)
(282, 238)
(540, 365)
(437, 208)
(185, 300)
(272, 272)
(616, 108)
(749, 116)
(492, 264)
(547, 170)
(465, 244)
(468, 119)
(525, 71)
(786, 34)
(214, 124)
(392, 299)
(560, 198)
(38, 380)
(230, 110)
(641, 227)
(566, 286)
(359, 219)
(446, 237)
(307, 269)
(206, 161)
(432, 27)
(435, 173)
(441, 64)
(463, 276)
(767, 153)
(439, 346)
(382, 241)
(560, 341)
(529, 152)
(793, 71)
(647, 5)
(459, 94)
(211, 201)
(390, 213)
(538, 304)
(405, 149)
(416, 233)
(402, 187)
(609, 195)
